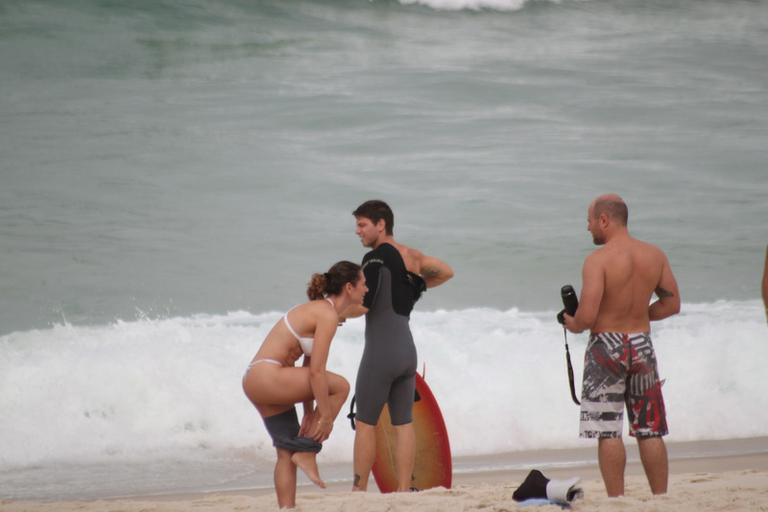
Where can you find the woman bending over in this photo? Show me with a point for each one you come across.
(274, 385)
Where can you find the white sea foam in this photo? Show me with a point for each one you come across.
(455, 5)
(159, 388)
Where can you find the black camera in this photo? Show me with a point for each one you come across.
(570, 301)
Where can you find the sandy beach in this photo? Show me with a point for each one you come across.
(732, 482)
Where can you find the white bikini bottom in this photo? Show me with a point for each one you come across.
(257, 361)
(264, 360)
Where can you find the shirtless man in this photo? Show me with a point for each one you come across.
(619, 280)
(396, 276)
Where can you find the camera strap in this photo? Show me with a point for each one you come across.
(570, 369)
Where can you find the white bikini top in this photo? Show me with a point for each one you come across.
(304, 342)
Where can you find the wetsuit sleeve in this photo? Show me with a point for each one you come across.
(371, 267)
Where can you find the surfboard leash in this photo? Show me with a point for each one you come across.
(570, 369)
(351, 414)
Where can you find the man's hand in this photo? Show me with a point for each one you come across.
(668, 293)
(571, 324)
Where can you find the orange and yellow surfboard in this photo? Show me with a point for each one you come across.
(433, 452)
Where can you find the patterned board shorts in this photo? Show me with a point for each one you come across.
(621, 369)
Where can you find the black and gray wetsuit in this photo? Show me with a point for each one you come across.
(388, 367)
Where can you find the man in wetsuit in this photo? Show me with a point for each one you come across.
(396, 275)
(619, 280)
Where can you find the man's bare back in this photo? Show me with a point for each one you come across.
(632, 270)
(619, 278)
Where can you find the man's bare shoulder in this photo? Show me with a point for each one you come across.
(596, 257)
(415, 253)
(411, 257)
(410, 252)
(650, 249)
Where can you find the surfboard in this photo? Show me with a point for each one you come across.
(433, 452)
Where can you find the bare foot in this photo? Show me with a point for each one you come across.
(307, 462)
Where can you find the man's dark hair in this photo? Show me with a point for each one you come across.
(614, 208)
(375, 210)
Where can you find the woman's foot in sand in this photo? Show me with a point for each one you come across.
(307, 462)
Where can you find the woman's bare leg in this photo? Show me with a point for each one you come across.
(285, 479)
(279, 388)
(338, 391)
(286, 387)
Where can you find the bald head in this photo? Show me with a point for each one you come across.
(613, 206)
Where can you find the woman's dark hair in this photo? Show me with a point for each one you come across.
(375, 210)
(333, 281)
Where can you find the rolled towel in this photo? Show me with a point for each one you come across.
(564, 491)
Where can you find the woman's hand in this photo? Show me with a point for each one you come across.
(321, 428)
(307, 422)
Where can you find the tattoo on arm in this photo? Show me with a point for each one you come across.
(663, 293)
(430, 272)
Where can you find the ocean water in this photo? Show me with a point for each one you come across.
(172, 172)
